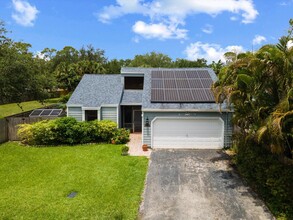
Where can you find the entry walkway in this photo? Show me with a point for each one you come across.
(135, 146)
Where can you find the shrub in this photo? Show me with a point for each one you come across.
(85, 132)
(43, 132)
(105, 130)
(25, 133)
(69, 131)
(121, 136)
(272, 179)
(66, 130)
(124, 150)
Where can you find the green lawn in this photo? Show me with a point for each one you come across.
(12, 108)
(35, 182)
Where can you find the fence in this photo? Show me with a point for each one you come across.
(13, 123)
(3, 130)
(9, 126)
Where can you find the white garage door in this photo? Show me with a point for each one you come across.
(199, 133)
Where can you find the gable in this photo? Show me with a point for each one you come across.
(95, 90)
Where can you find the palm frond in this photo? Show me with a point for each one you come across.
(261, 133)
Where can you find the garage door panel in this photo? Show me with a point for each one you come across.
(187, 133)
(182, 143)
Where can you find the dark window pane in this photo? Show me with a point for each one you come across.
(133, 82)
(91, 115)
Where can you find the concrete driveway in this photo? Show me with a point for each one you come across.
(197, 184)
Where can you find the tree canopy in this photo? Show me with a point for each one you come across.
(260, 86)
(22, 76)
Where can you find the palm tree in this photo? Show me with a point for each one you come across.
(260, 87)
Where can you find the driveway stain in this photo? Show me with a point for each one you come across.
(197, 184)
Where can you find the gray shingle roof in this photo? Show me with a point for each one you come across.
(146, 97)
(95, 90)
(132, 97)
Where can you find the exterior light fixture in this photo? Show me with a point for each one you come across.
(147, 122)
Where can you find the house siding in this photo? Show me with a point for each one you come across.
(228, 129)
(75, 112)
(226, 117)
(109, 113)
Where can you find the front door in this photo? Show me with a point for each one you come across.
(137, 121)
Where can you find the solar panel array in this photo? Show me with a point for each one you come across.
(45, 112)
(181, 86)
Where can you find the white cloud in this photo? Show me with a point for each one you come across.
(233, 18)
(258, 39)
(208, 29)
(25, 14)
(286, 3)
(160, 30)
(40, 55)
(210, 52)
(172, 13)
(123, 7)
(179, 9)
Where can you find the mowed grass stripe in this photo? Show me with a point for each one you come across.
(13, 108)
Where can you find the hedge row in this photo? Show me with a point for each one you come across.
(272, 179)
(69, 131)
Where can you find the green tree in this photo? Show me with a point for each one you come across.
(89, 53)
(114, 66)
(69, 65)
(230, 57)
(21, 78)
(183, 63)
(152, 59)
(260, 87)
(217, 66)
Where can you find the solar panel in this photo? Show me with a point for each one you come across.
(45, 112)
(157, 94)
(180, 74)
(170, 83)
(203, 74)
(185, 95)
(191, 74)
(181, 86)
(56, 112)
(199, 95)
(209, 94)
(36, 112)
(168, 74)
(157, 84)
(156, 74)
(171, 94)
(206, 83)
(195, 83)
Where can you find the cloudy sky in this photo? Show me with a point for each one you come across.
(123, 28)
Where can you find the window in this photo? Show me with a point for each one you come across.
(133, 83)
(91, 115)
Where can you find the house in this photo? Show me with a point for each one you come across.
(171, 107)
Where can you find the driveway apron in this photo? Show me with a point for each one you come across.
(197, 184)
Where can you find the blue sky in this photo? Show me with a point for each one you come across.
(124, 28)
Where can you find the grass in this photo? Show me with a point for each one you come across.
(12, 108)
(35, 182)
